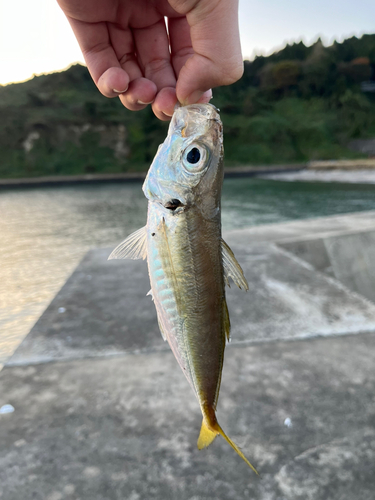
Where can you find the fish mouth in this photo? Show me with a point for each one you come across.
(173, 204)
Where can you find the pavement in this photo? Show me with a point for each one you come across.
(100, 409)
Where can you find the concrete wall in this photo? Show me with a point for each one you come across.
(348, 257)
(341, 246)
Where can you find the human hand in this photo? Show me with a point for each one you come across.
(129, 53)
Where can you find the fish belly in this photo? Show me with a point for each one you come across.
(186, 274)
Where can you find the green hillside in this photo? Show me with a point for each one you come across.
(298, 104)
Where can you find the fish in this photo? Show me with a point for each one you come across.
(189, 263)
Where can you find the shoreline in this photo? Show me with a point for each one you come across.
(345, 176)
(353, 171)
(64, 180)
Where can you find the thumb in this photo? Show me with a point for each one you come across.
(217, 58)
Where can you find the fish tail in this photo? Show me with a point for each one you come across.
(236, 448)
(206, 436)
(209, 432)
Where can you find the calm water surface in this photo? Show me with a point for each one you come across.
(44, 232)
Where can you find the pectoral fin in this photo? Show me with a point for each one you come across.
(232, 268)
(133, 247)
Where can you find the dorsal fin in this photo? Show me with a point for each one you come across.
(232, 268)
(133, 247)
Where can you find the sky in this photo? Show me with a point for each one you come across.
(36, 38)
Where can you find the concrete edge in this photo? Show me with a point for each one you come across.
(166, 348)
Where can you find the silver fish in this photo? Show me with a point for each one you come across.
(188, 262)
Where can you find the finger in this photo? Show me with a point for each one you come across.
(190, 90)
(154, 56)
(166, 100)
(164, 103)
(205, 97)
(100, 57)
(182, 50)
(217, 58)
(123, 45)
(180, 40)
(140, 93)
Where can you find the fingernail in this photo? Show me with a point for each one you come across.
(145, 103)
(194, 97)
(206, 97)
(199, 96)
(120, 91)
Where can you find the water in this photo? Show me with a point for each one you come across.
(44, 232)
(249, 201)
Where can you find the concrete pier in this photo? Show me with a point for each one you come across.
(102, 411)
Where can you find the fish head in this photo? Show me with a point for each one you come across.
(188, 167)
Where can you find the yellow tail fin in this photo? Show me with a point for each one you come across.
(208, 434)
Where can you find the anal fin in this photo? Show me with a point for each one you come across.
(226, 322)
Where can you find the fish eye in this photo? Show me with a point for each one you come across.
(193, 155)
(195, 158)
